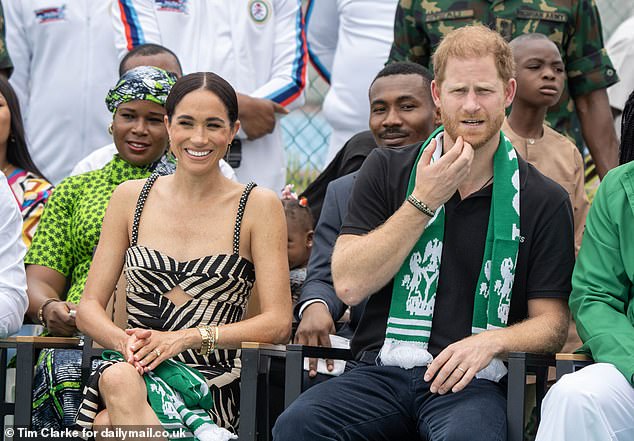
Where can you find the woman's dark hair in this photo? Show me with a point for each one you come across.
(17, 151)
(626, 153)
(207, 81)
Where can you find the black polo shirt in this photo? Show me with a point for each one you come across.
(545, 259)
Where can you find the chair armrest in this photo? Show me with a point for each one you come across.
(572, 357)
(533, 359)
(568, 363)
(254, 387)
(295, 355)
(39, 342)
(257, 345)
(519, 365)
(320, 352)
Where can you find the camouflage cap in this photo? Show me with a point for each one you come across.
(141, 83)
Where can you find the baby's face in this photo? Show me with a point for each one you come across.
(298, 246)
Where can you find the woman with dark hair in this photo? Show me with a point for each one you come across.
(30, 188)
(191, 245)
(626, 153)
(63, 247)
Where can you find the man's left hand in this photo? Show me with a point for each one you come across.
(458, 363)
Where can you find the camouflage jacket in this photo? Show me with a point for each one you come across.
(574, 25)
(5, 60)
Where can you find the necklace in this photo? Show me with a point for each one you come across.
(4, 169)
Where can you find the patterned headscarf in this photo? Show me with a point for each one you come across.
(141, 83)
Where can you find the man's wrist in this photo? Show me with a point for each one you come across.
(495, 341)
(421, 206)
(307, 303)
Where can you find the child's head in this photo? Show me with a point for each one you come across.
(299, 222)
(540, 71)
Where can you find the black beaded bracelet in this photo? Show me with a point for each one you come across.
(420, 205)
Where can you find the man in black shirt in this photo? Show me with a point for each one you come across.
(435, 369)
(402, 112)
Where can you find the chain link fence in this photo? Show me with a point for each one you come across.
(306, 133)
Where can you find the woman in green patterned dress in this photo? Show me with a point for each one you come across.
(62, 249)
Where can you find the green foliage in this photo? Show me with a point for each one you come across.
(298, 175)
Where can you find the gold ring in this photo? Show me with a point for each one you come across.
(461, 370)
(157, 352)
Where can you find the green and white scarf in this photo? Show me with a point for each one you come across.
(414, 293)
(180, 398)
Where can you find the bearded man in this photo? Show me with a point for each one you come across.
(467, 213)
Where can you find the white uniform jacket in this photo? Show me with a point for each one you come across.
(349, 41)
(620, 48)
(65, 62)
(13, 299)
(258, 46)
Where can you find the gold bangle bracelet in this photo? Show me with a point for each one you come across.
(204, 346)
(214, 340)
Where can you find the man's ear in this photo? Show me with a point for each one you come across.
(435, 93)
(509, 92)
(437, 117)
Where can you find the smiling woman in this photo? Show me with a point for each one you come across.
(192, 246)
(63, 246)
(138, 131)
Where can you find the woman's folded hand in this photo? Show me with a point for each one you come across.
(151, 350)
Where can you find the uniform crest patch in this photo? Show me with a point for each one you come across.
(171, 5)
(259, 10)
(47, 15)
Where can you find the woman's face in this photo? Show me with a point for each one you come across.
(139, 132)
(200, 131)
(5, 121)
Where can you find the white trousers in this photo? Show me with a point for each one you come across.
(595, 403)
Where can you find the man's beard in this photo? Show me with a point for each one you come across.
(478, 137)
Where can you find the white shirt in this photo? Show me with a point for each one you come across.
(256, 45)
(13, 299)
(620, 48)
(65, 62)
(102, 156)
(349, 42)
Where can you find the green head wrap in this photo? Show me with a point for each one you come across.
(141, 83)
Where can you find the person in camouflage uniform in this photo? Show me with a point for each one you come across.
(574, 26)
(6, 66)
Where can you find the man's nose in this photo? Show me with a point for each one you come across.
(471, 104)
(393, 118)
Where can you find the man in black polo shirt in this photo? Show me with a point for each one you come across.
(465, 252)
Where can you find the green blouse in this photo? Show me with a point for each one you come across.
(69, 230)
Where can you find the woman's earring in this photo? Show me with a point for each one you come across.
(110, 128)
(12, 139)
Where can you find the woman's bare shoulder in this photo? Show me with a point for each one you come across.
(127, 193)
(263, 199)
